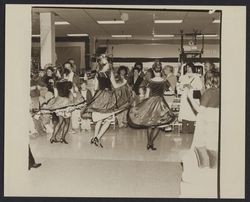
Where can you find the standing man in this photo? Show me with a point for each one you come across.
(135, 80)
(168, 71)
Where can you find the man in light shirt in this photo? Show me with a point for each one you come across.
(171, 78)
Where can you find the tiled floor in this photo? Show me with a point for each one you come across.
(119, 144)
(122, 168)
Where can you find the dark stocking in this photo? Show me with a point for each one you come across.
(65, 127)
(155, 133)
(149, 131)
(57, 127)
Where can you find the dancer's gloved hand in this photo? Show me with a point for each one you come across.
(85, 77)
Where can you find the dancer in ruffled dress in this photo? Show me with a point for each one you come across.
(111, 97)
(62, 106)
(154, 111)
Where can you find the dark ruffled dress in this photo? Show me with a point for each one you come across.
(65, 102)
(153, 111)
(108, 100)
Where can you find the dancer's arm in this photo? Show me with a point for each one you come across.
(55, 92)
(114, 83)
(96, 83)
(147, 93)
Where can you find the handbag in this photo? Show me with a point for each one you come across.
(188, 127)
(197, 94)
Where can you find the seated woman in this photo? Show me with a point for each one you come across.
(34, 107)
(154, 111)
(44, 98)
(85, 117)
(204, 148)
(206, 132)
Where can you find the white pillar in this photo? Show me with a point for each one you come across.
(47, 39)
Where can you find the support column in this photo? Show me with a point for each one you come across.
(47, 39)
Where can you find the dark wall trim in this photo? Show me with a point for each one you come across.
(65, 39)
(150, 42)
(173, 59)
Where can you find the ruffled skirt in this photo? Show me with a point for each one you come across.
(151, 112)
(107, 101)
(63, 106)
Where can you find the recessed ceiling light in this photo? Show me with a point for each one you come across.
(216, 21)
(208, 35)
(163, 35)
(35, 35)
(77, 35)
(122, 35)
(61, 23)
(110, 22)
(168, 21)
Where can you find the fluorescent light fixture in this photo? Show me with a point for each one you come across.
(61, 23)
(168, 21)
(163, 35)
(122, 36)
(208, 35)
(216, 21)
(110, 22)
(77, 35)
(35, 35)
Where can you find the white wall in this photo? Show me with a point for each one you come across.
(157, 50)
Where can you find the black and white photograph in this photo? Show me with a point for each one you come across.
(124, 101)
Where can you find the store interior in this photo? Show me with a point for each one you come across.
(123, 167)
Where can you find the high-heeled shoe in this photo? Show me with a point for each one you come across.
(92, 141)
(53, 140)
(100, 144)
(97, 142)
(152, 147)
(148, 146)
(62, 140)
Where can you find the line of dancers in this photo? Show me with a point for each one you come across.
(113, 96)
